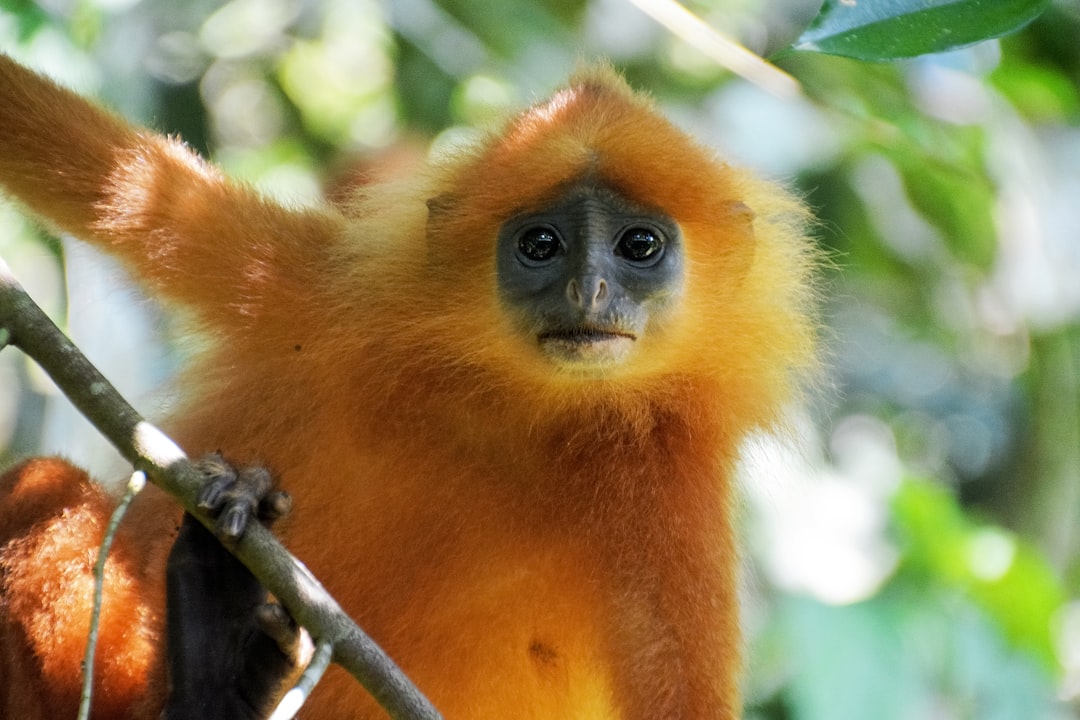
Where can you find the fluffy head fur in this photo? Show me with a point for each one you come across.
(746, 320)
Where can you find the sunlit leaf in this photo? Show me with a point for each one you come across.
(890, 29)
(903, 654)
(28, 15)
(1007, 578)
(1041, 94)
(956, 201)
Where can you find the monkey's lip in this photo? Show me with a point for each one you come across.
(585, 335)
(587, 346)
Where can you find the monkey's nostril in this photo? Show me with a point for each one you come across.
(573, 292)
(588, 293)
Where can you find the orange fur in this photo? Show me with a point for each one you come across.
(52, 519)
(525, 542)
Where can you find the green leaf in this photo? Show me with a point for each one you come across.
(997, 570)
(956, 199)
(891, 29)
(1044, 94)
(906, 653)
(28, 16)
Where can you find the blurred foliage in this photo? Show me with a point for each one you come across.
(925, 565)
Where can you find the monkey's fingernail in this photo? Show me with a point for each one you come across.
(209, 497)
(232, 522)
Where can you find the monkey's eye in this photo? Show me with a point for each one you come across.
(539, 244)
(639, 244)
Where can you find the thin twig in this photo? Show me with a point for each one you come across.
(726, 52)
(295, 698)
(151, 451)
(135, 485)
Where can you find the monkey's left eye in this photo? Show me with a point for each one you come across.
(539, 244)
(639, 244)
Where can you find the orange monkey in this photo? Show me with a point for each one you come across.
(506, 393)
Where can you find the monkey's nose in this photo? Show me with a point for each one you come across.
(589, 293)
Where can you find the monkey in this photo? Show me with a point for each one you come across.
(507, 391)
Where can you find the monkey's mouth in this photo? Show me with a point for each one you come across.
(588, 344)
(585, 334)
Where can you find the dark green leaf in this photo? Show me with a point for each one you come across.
(890, 29)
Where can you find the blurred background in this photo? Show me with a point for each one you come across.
(916, 555)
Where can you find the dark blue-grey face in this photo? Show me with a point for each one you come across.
(584, 276)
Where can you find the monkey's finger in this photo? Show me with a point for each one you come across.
(232, 522)
(254, 481)
(238, 495)
(275, 506)
(219, 477)
(243, 498)
(294, 641)
(240, 506)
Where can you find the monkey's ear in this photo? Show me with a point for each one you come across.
(438, 207)
(741, 215)
(739, 211)
(441, 203)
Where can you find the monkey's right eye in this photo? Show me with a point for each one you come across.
(539, 244)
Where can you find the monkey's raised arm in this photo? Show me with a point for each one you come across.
(182, 228)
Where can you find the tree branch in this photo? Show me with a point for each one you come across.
(24, 325)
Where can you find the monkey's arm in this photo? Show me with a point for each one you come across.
(183, 229)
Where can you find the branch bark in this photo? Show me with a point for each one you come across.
(24, 325)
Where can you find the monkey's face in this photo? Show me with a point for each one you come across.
(586, 277)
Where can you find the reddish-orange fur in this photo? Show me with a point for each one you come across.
(525, 542)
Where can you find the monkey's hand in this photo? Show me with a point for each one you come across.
(231, 654)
